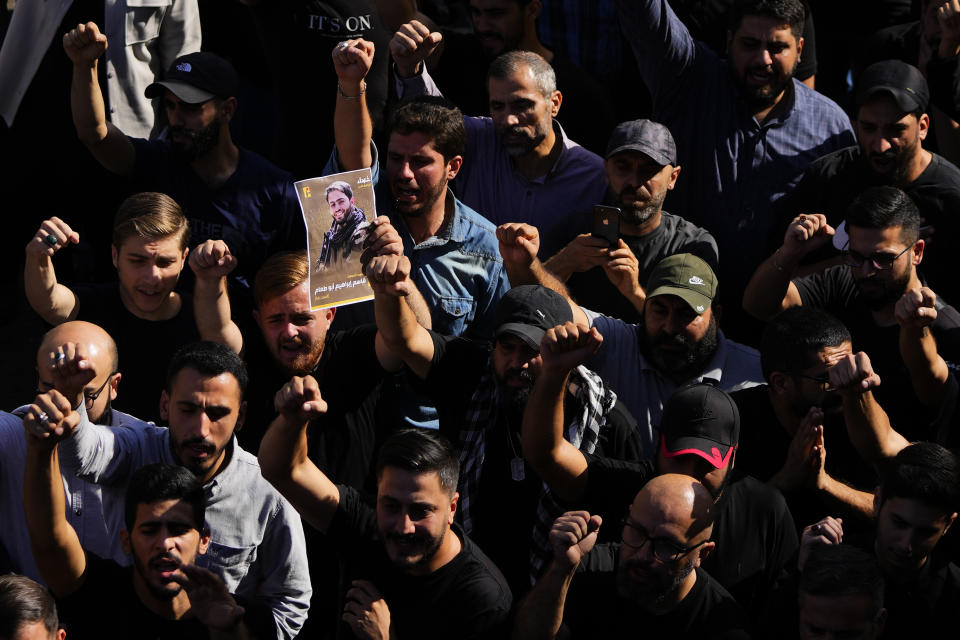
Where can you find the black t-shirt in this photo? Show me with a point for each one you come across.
(835, 291)
(465, 598)
(753, 529)
(593, 290)
(145, 346)
(594, 609)
(106, 606)
(832, 182)
(298, 38)
(458, 364)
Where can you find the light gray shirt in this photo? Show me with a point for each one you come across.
(256, 538)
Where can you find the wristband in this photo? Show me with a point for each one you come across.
(363, 90)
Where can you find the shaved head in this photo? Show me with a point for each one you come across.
(679, 500)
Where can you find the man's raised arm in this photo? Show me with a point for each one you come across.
(353, 128)
(410, 46)
(84, 46)
(56, 547)
(212, 262)
(915, 312)
(283, 453)
(52, 301)
(560, 464)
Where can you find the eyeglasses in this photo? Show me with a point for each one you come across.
(879, 261)
(822, 379)
(635, 536)
(89, 397)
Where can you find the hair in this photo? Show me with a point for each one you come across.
(421, 451)
(158, 481)
(435, 117)
(513, 62)
(209, 359)
(23, 602)
(151, 216)
(883, 208)
(339, 185)
(834, 570)
(279, 273)
(925, 472)
(791, 340)
(788, 12)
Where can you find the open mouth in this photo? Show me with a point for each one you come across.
(403, 194)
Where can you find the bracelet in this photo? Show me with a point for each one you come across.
(363, 90)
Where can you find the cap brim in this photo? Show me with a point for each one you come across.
(906, 100)
(697, 301)
(530, 334)
(715, 453)
(659, 158)
(186, 92)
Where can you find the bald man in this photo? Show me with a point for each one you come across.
(94, 511)
(650, 582)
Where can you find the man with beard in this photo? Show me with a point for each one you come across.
(892, 124)
(164, 592)
(519, 164)
(95, 512)
(653, 584)
(230, 193)
(480, 394)
(878, 294)
(342, 237)
(406, 560)
(761, 129)
(641, 169)
(677, 341)
(256, 541)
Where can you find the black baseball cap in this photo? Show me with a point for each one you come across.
(197, 77)
(902, 81)
(702, 420)
(528, 311)
(648, 137)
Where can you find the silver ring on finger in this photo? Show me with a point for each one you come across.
(343, 44)
(60, 357)
(43, 418)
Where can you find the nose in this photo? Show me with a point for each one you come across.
(174, 117)
(673, 324)
(405, 173)
(290, 330)
(154, 273)
(512, 120)
(765, 57)
(405, 525)
(879, 144)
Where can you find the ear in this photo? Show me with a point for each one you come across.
(453, 507)
(125, 541)
(186, 252)
(164, 405)
(799, 48)
(923, 126)
(705, 551)
(533, 9)
(61, 634)
(918, 248)
(556, 99)
(204, 541)
(953, 517)
(114, 254)
(241, 416)
(453, 167)
(330, 314)
(228, 108)
(780, 383)
(673, 177)
(113, 386)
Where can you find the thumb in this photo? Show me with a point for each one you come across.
(315, 407)
(434, 39)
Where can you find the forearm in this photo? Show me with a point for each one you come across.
(419, 307)
(51, 300)
(869, 429)
(837, 495)
(211, 308)
(402, 333)
(928, 371)
(87, 106)
(560, 266)
(540, 614)
(353, 128)
(768, 291)
(536, 273)
(555, 459)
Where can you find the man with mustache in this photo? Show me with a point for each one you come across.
(879, 294)
(641, 167)
(519, 163)
(480, 392)
(256, 546)
(892, 124)
(230, 193)
(653, 582)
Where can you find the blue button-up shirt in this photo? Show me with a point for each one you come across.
(256, 539)
(735, 168)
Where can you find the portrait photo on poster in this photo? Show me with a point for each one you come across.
(338, 210)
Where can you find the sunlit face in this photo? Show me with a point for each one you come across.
(293, 333)
(907, 532)
(879, 288)
(194, 128)
(516, 366)
(639, 184)
(847, 617)
(417, 173)
(678, 341)
(498, 24)
(763, 58)
(164, 536)
(807, 393)
(414, 513)
(522, 116)
(148, 271)
(889, 138)
(340, 204)
(202, 412)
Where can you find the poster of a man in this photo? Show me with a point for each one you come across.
(334, 208)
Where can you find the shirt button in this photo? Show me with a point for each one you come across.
(78, 511)
(109, 74)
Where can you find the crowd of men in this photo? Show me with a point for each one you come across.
(627, 297)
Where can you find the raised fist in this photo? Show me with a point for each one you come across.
(916, 308)
(53, 235)
(212, 260)
(519, 242)
(390, 275)
(85, 44)
(351, 61)
(806, 233)
(299, 400)
(567, 346)
(411, 45)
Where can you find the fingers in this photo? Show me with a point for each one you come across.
(828, 531)
(45, 418)
(300, 399)
(807, 226)
(916, 308)
(383, 238)
(212, 258)
(572, 527)
(570, 337)
(53, 235)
